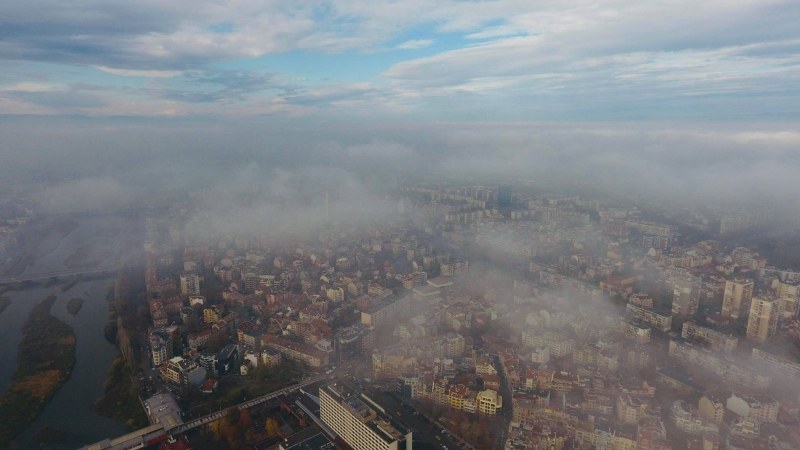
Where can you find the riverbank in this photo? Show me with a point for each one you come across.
(44, 362)
(120, 400)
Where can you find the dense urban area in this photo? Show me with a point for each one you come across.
(462, 316)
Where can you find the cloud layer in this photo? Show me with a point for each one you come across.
(720, 166)
(479, 59)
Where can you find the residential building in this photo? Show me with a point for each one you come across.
(782, 365)
(789, 295)
(736, 298)
(296, 351)
(686, 295)
(359, 421)
(190, 283)
(763, 320)
(659, 321)
(211, 315)
(711, 408)
(759, 407)
(713, 339)
(183, 372)
(489, 402)
(387, 310)
(634, 330)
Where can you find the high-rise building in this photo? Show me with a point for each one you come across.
(359, 421)
(685, 295)
(737, 297)
(504, 195)
(789, 295)
(763, 320)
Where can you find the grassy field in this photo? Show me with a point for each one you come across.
(120, 400)
(45, 360)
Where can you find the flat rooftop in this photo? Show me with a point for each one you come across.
(361, 406)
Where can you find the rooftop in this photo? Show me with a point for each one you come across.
(367, 411)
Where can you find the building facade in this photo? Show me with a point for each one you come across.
(359, 421)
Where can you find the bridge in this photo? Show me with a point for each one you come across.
(182, 428)
(154, 434)
(56, 274)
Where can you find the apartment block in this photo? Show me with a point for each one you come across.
(736, 298)
(359, 421)
(660, 321)
(763, 320)
(713, 339)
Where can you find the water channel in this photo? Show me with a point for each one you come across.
(71, 409)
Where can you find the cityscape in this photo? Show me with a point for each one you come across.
(400, 225)
(465, 316)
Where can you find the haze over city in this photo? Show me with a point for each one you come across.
(489, 224)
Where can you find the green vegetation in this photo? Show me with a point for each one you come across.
(45, 361)
(51, 435)
(110, 331)
(74, 305)
(4, 302)
(234, 390)
(120, 400)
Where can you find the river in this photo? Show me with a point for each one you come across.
(71, 409)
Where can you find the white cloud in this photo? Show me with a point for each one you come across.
(548, 55)
(28, 86)
(415, 44)
(139, 73)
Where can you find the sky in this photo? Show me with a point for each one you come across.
(443, 60)
(110, 102)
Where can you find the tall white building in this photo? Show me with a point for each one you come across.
(789, 294)
(763, 320)
(685, 295)
(359, 421)
(737, 297)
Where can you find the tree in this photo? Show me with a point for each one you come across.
(272, 428)
(245, 419)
